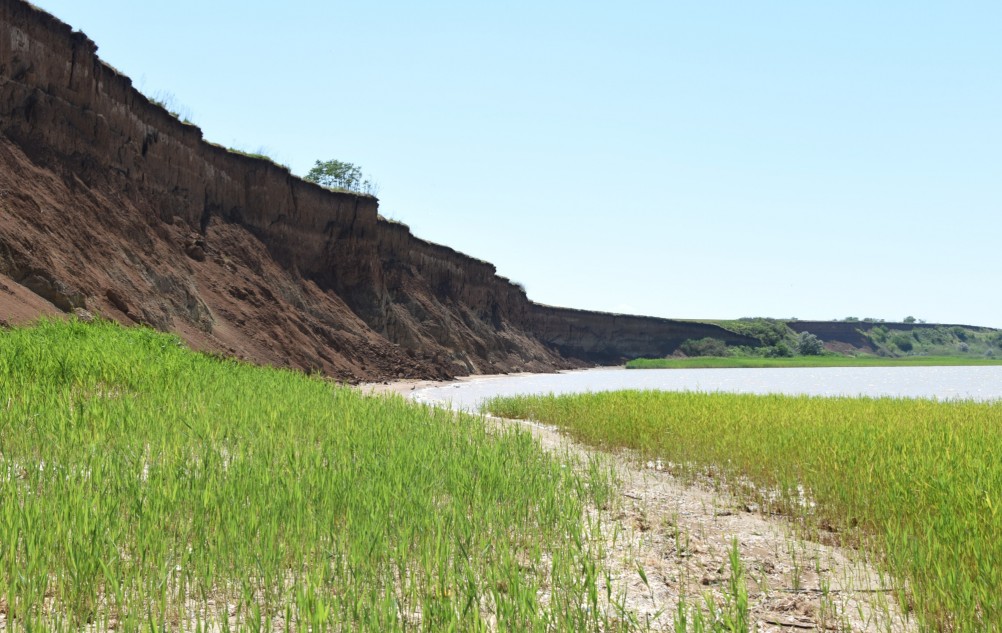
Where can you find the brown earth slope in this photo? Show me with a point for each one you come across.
(109, 205)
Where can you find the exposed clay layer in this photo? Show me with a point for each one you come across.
(112, 206)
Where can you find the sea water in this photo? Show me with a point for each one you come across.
(941, 383)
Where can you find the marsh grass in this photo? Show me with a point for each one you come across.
(147, 487)
(915, 482)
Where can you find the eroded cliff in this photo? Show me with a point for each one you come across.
(109, 205)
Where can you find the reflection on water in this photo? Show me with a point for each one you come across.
(943, 383)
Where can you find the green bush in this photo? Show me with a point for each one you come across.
(810, 345)
(779, 350)
(708, 346)
(878, 335)
(902, 341)
(767, 331)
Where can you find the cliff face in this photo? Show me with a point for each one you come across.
(110, 205)
(852, 333)
(582, 334)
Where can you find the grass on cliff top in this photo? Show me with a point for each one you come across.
(702, 362)
(143, 485)
(918, 483)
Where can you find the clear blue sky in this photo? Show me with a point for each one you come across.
(681, 159)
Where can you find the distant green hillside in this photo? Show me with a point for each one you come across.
(830, 343)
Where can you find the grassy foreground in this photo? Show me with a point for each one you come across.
(702, 362)
(916, 482)
(144, 486)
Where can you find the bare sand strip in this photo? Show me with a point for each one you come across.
(681, 535)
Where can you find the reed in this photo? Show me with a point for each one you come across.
(147, 487)
(915, 482)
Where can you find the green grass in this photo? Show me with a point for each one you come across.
(807, 361)
(917, 483)
(147, 487)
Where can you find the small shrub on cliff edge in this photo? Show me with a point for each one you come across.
(336, 174)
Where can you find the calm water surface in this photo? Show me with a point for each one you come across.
(943, 383)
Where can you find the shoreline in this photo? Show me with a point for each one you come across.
(405, 386)
(680, 534)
